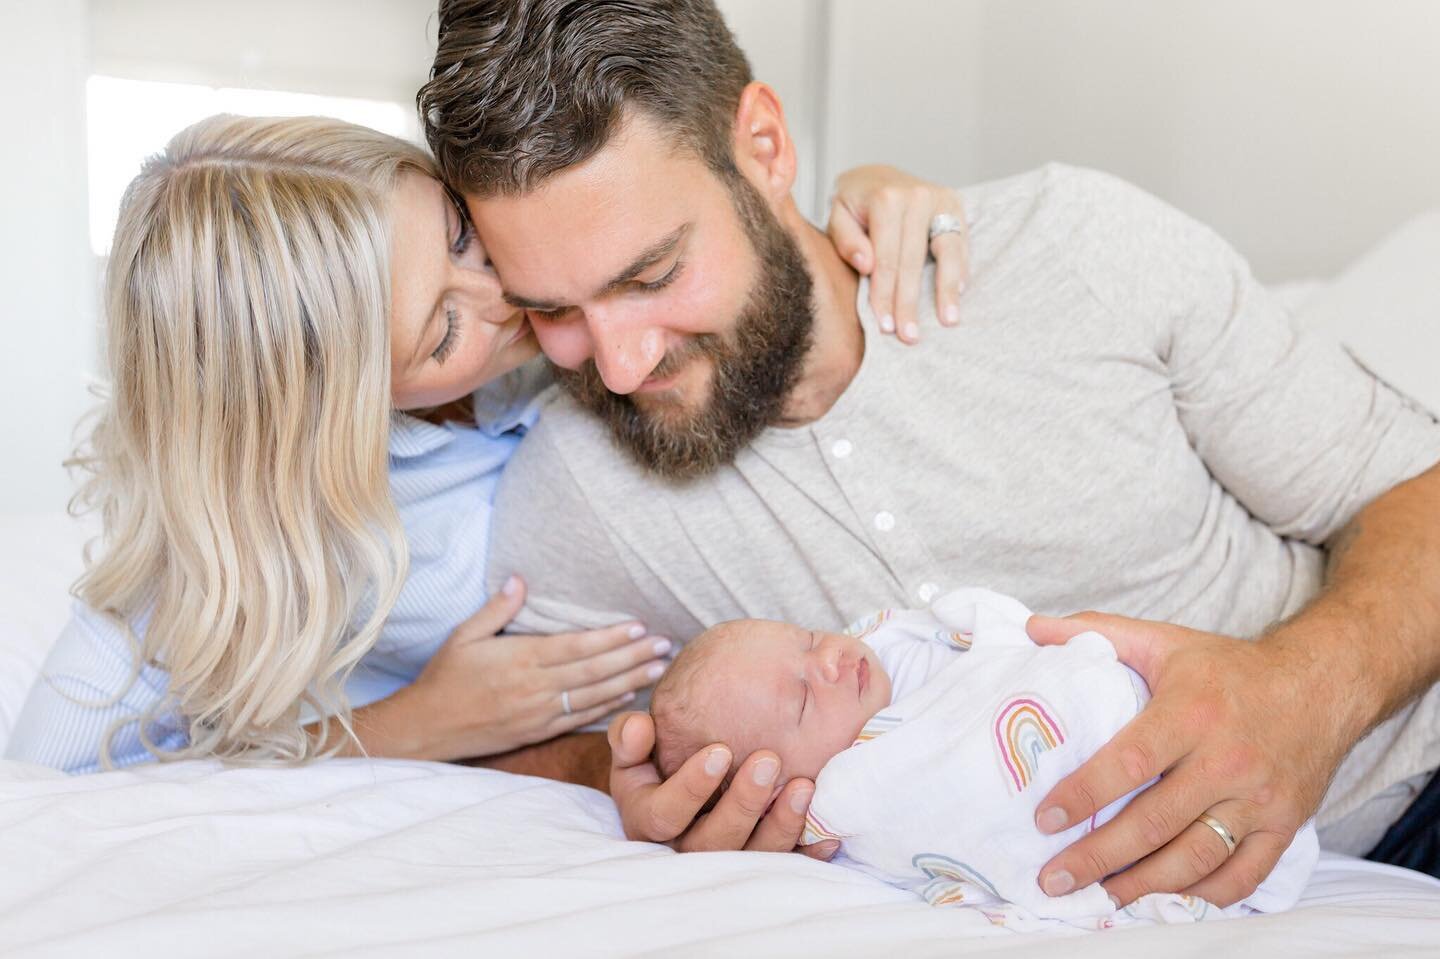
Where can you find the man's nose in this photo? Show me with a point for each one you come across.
(625, 354)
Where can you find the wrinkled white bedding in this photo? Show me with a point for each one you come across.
(360, 858)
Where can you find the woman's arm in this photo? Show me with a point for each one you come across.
(87, 685)
(485, 694)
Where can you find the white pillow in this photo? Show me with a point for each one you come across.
(1386, 309)
(40, 558)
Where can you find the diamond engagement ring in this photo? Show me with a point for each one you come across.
(942, 223)
(565, 702)
(1226, 836)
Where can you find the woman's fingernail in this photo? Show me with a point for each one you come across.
(800, 800)
(662, 646)
(655, 671)
(628, 698)
(952, 314)
(859, 261)
(887, 324)
(1050, 820)
(637, 631)
(1058, 883)
(912, 331)
(717, 762)
(764, 771)
(512, 586)
(959, 287)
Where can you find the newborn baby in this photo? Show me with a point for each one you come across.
(932, 735)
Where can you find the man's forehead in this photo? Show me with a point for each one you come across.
(585, 224)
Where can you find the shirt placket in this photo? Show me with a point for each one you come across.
(860, 469)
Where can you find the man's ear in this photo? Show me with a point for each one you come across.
(764, 151)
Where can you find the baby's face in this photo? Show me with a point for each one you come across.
(803, 693)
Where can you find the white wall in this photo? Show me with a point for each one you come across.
(1301, 129)
(46, 285)
(376, 49)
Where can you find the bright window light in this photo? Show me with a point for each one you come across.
(130, 120)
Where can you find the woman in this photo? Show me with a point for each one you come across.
(283, 549)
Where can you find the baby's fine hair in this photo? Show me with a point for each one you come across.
(679, 732)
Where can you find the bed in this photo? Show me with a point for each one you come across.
(361, 858)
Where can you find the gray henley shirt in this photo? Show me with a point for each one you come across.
(1124, 420)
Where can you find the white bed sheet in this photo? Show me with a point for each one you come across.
(361, 858)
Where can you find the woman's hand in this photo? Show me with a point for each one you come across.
(483, 693)
(880, 222)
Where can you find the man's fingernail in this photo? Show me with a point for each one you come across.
(662, 646)
(887, 324)
(512, 586)
(1050, 820)
(1058, 883)
(859, 260)
(764, 772)
(829, 848)
(800, 800)
(1115, 903)
(912, 331)
(637, 631)
(952, 314)
(717, 762)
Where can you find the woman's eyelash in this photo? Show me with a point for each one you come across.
(466, 237)
(447, 343)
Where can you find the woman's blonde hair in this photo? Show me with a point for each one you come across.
(240, 460)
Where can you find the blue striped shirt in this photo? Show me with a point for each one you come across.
(443, 480)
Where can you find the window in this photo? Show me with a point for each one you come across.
(129, 120)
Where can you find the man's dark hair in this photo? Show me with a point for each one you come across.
(522, 89)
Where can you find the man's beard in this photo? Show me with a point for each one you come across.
(754, 367)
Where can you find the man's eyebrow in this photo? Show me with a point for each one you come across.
(654, 254)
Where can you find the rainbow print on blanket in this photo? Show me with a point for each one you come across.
(878, 725)
(864, 627)
(1025, 728)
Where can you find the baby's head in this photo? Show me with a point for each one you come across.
(753, 684)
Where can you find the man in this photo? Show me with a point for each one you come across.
(1125, 421)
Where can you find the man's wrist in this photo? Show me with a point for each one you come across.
(1322, 650)
(581, 758)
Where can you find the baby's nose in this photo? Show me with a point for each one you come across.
(830, 667)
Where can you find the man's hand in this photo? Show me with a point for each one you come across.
(1241, 730)
(668, 811)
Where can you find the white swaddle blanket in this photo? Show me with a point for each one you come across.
(939, 793)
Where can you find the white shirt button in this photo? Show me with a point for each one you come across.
(884, 522)
(927, 592)
(842, 449)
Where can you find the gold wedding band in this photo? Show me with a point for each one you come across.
(1226, 836)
